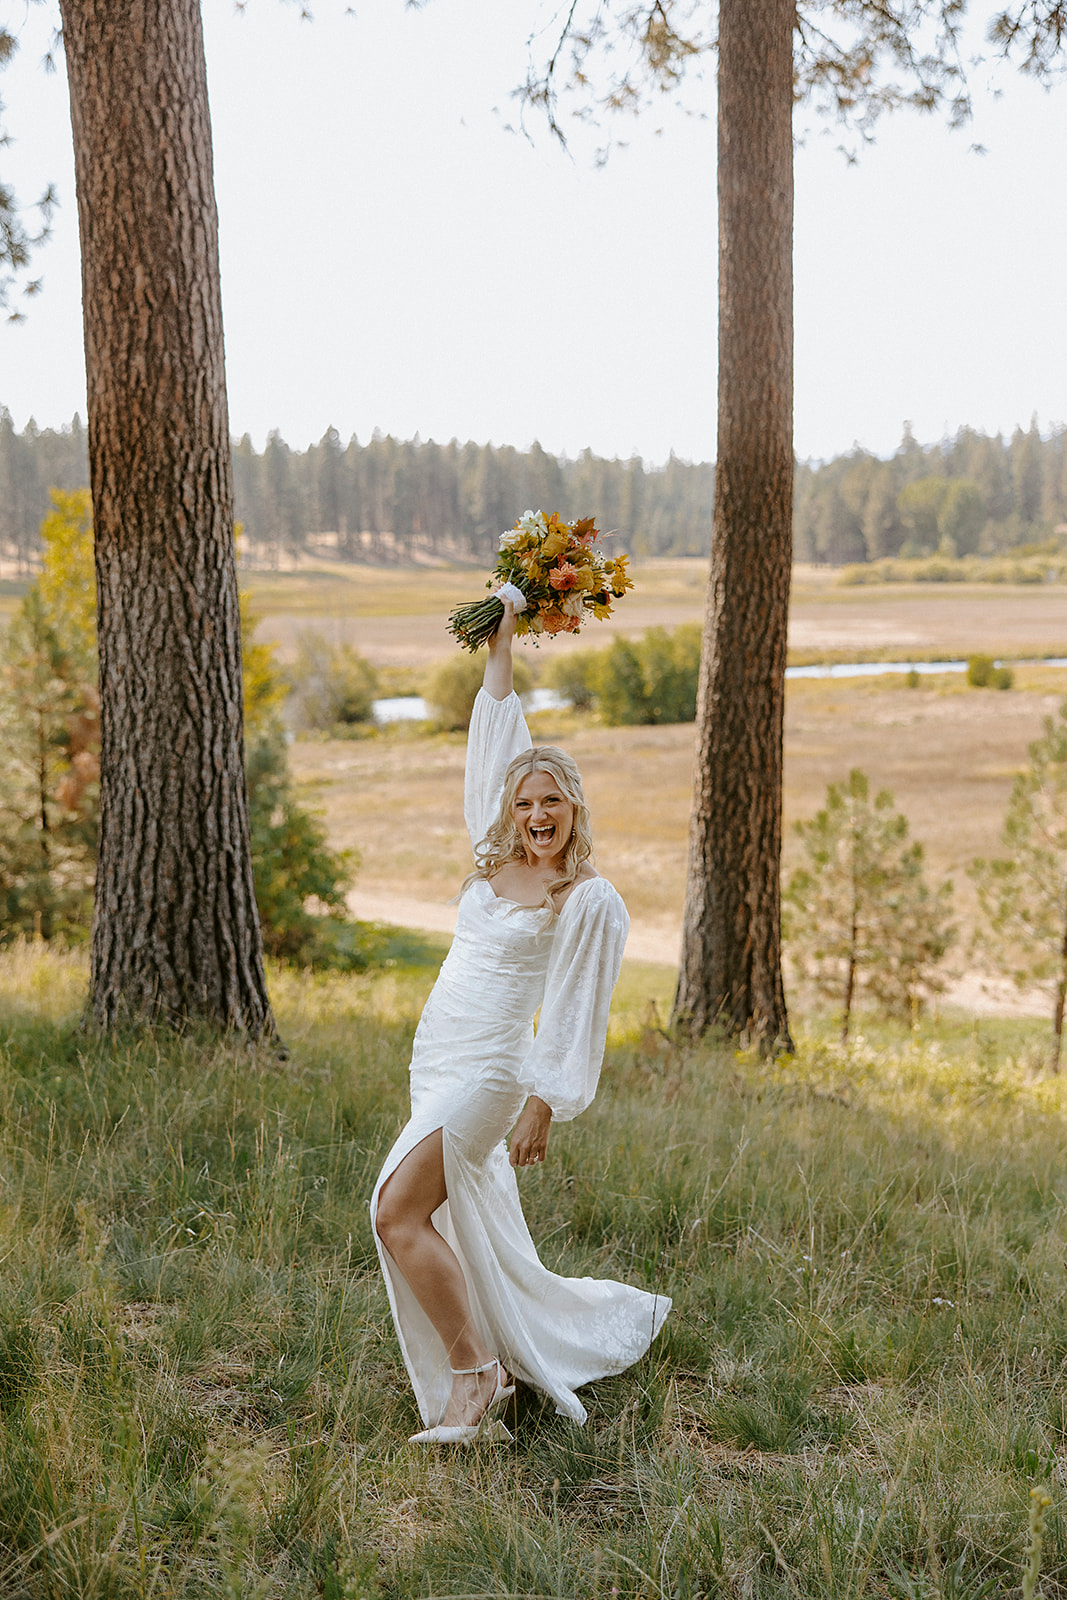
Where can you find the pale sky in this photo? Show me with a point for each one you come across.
(392, 257)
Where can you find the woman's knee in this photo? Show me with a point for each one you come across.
(398, 1217)
(388, 1216)
(411, 1194)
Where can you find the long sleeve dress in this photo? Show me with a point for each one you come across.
(475, 1060)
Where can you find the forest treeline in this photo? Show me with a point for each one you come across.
(401, 500)
(389, 499)
(973, 494)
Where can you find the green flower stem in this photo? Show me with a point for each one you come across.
(475, 623)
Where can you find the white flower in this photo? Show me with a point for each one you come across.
(531, 522)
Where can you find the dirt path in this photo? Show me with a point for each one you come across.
(982, 996)
(435, 916)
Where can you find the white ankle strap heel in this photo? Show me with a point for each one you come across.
(488, 1426)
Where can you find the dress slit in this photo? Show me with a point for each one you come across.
(420, 1345)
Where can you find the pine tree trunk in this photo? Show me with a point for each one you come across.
(731, 960)
(175, 928)
(850, 979)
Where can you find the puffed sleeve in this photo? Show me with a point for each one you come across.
(498, 733)
(563, 1065)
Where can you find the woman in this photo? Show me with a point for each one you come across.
(537, 928)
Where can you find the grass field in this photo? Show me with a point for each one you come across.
(397, 616)
(201, 1395)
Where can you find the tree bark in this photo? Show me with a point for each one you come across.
(175, 928)
(731, 958)
(850, 976)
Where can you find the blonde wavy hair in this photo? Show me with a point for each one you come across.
(503, 842)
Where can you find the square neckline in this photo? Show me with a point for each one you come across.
(524, 905)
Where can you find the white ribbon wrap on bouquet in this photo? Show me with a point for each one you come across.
(512, 592)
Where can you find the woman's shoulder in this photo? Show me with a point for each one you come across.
(590, 889)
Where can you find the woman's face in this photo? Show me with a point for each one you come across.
(544, 817)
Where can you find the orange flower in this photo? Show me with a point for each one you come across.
(565, 576)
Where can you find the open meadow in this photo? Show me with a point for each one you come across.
(201, 1394)
(948, 754)
(396, 616)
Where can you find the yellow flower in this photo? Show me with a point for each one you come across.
(554, 545)
(620, 579)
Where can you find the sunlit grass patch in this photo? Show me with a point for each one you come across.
(201, 1393)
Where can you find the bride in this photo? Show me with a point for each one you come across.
(537, 929)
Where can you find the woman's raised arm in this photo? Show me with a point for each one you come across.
(498, 732)
(498, 676)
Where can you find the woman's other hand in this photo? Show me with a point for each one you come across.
(529, 1137)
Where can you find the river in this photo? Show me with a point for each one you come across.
(411, 708)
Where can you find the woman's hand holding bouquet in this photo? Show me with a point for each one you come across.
(553, 573)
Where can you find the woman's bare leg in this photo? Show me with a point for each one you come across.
(407, 1201)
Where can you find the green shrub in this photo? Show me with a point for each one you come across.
(452, 687)
(300, 882)
(574, 675)
(333, 686)
(651, 681)
(983, 673)
(620, 684)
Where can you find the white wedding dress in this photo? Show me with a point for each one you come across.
(475, 1060)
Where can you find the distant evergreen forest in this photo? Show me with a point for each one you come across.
(393, 500)
(970, 495)
(389, 500)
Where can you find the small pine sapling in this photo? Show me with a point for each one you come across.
(1023, 893)
(859, 917)
(50, 736)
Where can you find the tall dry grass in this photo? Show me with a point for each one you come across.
(201, 1394)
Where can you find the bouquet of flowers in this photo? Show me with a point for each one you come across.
(553, 573)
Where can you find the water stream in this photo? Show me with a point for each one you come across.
(412, 708)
